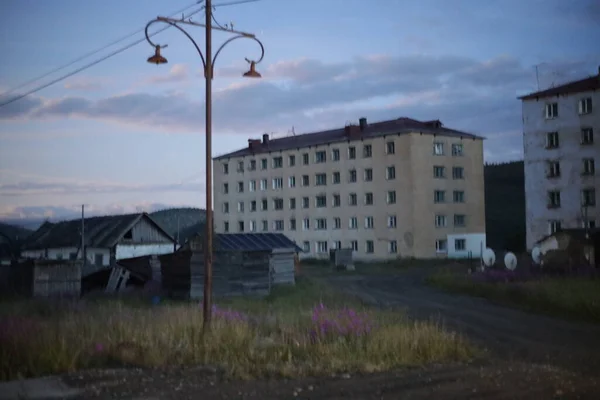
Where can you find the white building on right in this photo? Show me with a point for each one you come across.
(561, 154)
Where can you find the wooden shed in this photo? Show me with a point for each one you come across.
(46, 278)
(576, 244)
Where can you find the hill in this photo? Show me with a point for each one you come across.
(14, 232)
(505, 206)
(189, 220)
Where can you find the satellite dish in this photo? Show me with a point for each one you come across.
(510, 260)
(536, 255)
(488, 257)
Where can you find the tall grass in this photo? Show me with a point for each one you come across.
(306, 330)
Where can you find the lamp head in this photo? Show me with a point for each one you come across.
(157, 58)
(252, 71)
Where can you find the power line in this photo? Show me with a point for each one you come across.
(93, 52)
(114, 53)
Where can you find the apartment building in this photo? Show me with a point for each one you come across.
(398, 188)
(561, 154)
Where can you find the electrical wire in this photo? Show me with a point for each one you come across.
(93, 52)
(114, 53)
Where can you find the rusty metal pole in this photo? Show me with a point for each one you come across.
(208, 248)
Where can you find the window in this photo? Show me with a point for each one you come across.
(337, 200)
(278, 225)
(277, 183)
(292, 203)
(585, 106)
(459, 220)
(460, 244)
(439, 171)
(554, 226)
(292, 181)
(439, 196)
(321, 224)
(263, 184)
(225, 188)
(321, 247)
(305, 224)
(551, 110)
(585, 224)
(351, 153)
(59, 256)
(458, 173)
(392, 247)
(240, 206)
(353, 223)
(337, 244)
(252, 186)
(588, 197)
(552, 141)
(240, 226)
(589, 166)
(252, 227)
(390, 147)
(336, 178)
(554, 199)
(73, 256)
(253, 206)
(291, 160)
(321, 156)
(278, 204)
(225, 226)
(587, 136)
(440, 221)
(369, 247)
(337, 223)
(441, 246)
(240, 187)
(263, 163)
(553, 169)
(354, 245)
(368, 174)
(226, 208)
(305, 158)
(391, 197)
(391, 221)
(369, 223)
(391, 173)
(278, 162)
(98, 259)
(321, 179)
(321, 201)
(306, 246)
(352, 199)
(458, 196)
(367, 151)
(225, 168)
(369, 199)
(438, 149)
(252, 165)
(292, 224)
(352, 176)
(305, 180)
(264, 205)
(305, 202)
(457, 149)
(240, 166)
(265, 225)
(335, 155)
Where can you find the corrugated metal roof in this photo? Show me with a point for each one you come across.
(582, 85)
(254, 242)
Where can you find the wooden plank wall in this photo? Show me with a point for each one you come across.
(62, 280)
(283, 268)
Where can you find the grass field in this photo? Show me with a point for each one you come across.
(303, 330)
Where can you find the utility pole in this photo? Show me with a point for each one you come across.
(83, 255)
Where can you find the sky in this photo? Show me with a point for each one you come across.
(126, 136)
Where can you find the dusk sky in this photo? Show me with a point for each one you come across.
(125, 135)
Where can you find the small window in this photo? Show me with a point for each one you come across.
(551, 110)
(277, 162)
(352, 199)
(392, 247)
(292, 181)
(589, 167)
(439, 196)
(458, 173)
(457, 149)
(369, 199)
(335, 155)
(252, 165)
(240, 166)
(352, 177)
(292, 224)
(351, 153)
(392, 221)
(321, 224)
(391, 197)
(587, 136)
(458, 196)
(305, 224)
(226, 227)
(226, 208)
(390, 147)
(292, 203)
(321, 179)
(460, 244)
(252, 227)
(391, 173)
(305, 202)
(305, 159)
(441, 245)
(353, 223)
(98, 259)
(321, 201)
(369, 247)
(277, 183)
(72, 256)
(291, 160)
(59, 256)
(225, 188)
(439, 171)
(306, 246)
(440, 221)
(240, 206)
(552, 141)
(337, 223)
(264, 164)
(225, 169)
(278, 225)
(459, 220)
(320, 156)
(369, 223)
(305, 180)
(585, 106)
(253, 206)
(588, 197)
(354, 245)
(553, 169)
(264, 205)
(337, 200)
(367, 151)
(265, 225)
(263, 184)
(278, 204)
(554, 226)
(336, 177)
(438, 148)
(554, 199)
(368, 174)
(252, 186)
(322, 247)
(240, 187)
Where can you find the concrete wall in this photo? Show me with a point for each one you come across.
(569, 154)
(415, 233)
(474, 244)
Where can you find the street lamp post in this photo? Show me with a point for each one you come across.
(208, 63)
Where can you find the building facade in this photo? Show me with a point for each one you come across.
(389, 189)
(561, 154)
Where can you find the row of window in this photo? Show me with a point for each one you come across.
(320, 224)
(555, 225)
(588, 168)
(584, 106)
(320, 179)
(322, 246)
(320, 201)
(588, 198)
(320, 156)
(586, 138)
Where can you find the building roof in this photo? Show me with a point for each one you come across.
(254, 242)
(589, 84)
(100, 232)
(371, 130)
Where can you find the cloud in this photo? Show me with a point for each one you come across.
(86, 84)
(177, 74)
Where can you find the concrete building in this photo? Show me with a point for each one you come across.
(387, 189)
(560, 154)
